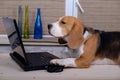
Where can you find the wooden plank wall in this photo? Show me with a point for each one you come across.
(51, 10)
(101, 14)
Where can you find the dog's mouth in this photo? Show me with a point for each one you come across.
(56, 36)
(51, 33)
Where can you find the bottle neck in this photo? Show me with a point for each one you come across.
(26, 11)
(38, 11)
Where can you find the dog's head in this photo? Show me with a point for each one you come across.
(70, 28)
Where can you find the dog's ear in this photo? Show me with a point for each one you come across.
(75, 37)
(61, 41)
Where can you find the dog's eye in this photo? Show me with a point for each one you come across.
(63, 22)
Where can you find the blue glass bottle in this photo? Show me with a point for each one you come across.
(38, 32)
(20, 20)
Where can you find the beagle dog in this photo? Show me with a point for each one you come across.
(91, 46)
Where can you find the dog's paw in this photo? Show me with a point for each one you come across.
(69, 62)
(57, 62)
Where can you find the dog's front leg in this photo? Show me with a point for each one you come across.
(68, 62)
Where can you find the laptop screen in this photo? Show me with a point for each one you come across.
(13, 36)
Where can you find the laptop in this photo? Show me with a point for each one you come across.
(26, 60)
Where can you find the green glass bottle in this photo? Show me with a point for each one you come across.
(26, 24)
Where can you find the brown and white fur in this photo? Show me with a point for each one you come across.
(91, 46)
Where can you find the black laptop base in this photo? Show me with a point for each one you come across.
(35, 63)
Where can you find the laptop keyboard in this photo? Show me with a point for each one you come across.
(40, 58)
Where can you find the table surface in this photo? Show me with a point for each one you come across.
(9, 70)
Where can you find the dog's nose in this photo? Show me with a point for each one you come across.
(49, 26)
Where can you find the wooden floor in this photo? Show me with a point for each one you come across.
(9, 70)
